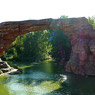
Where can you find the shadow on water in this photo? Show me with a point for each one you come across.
(47, 79)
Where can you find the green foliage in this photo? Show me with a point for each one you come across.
(33, 46)
(63, 16)
(91, 20)
(60, 46)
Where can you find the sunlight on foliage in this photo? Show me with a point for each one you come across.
(91, 20)
(27, 66)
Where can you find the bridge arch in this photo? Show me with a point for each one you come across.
(78, 29)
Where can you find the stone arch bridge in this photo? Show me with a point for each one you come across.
(82, 59)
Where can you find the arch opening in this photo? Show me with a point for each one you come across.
(40, 45)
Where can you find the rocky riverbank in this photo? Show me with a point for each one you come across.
(7, 69)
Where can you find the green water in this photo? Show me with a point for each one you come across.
(47, 79)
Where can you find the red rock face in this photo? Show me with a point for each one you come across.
(82, 60)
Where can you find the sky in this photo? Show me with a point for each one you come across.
(15, 10)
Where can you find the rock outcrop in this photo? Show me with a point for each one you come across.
(82, 59)
(6, 69)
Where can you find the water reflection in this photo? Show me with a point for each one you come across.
(35, 87)
(38, 80)
(46, 79)
(42, 88)
(47, 67)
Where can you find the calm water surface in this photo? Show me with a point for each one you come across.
(45, 79)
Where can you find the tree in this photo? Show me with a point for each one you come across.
(60, 45)
(63, 16)
(30, 47)
(91, 20)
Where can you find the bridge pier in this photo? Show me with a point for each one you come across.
(82, 59)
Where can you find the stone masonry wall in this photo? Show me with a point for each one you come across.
(82, 59)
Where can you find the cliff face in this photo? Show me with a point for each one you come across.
(78, 29)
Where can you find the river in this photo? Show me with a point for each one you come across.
(47, 79)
